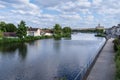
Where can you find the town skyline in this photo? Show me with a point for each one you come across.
(73, 13)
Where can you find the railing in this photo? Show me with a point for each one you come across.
(82, 73)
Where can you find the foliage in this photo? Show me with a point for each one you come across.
(1, 34)
(100, 35)
(10, 27)
(7, 27)
(117, 58)
(3, 26)
(57, 30)
(26, 39)
(67, 32)
(116, 44)
(22, 30)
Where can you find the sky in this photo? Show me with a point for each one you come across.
(72, 13)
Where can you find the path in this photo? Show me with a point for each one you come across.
(104, 68)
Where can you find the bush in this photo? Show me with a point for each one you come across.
(117, 58)
(116, 44)
(26, 39)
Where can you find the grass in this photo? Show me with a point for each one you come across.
(117, 58)
(26, 39)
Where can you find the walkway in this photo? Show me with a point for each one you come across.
(104, 68)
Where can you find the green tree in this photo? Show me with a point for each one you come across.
(99, 31)
(67, 32)
(10, 27)
(1, 34)
(3, 26)
(57, 30)
(22, 30)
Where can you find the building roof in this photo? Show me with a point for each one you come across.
(47, 31)
(32, 29)
(9, 34)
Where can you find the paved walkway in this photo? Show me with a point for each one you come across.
(104, 68)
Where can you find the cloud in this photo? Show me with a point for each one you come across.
(75, 13)
(2, 6)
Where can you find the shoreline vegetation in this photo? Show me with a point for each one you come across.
(99, 32)
(26, 39)
(21, 33)
(117, 57)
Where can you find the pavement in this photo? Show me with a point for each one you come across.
(104, 68)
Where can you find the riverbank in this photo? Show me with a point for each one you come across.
(26, 39)
(104, 68)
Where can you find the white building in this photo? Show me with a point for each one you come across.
(47, 32)
(33, 32)
(114, 31)
(100, 27)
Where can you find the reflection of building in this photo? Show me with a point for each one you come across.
(33, 32)
(100, 27)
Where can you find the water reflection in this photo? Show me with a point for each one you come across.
(57, 46)
(22, 50)
(11, 48)
(47, 59)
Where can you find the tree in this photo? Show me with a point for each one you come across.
(10, 27)
(22, 30)
(67, 32)
(99, 31)
(3, 26)
(57, 30)
(1, 34)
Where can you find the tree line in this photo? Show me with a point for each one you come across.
(59, 32)
(21, 30)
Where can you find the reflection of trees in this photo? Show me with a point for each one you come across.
(34, 43)
(22, 50)
(8, 48)
(12, 47)
(57, 46)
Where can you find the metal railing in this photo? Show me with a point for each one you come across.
(82, 73)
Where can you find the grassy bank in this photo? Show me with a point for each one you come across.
(117, 58)
(100, 35)
(26, 39)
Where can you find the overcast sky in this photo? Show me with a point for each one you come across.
(73, 13)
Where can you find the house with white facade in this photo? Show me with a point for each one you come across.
(34, 32)
(114, 31)
(47, 32)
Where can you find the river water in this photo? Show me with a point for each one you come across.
(48, 59)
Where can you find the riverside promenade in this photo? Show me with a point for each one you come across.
(104, 68)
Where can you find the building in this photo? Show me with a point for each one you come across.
(9, 34)
(100, 27)
(47, 32)
(114, 31)
(33, 32)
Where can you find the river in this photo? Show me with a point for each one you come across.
(48, 59)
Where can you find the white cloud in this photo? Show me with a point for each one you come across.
(2, 6)
(65, 12)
